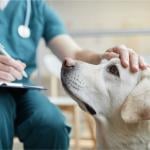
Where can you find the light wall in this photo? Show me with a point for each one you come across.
(95, 15)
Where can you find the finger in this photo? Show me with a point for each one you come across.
(147, 65)
(124, 57)
(6, 76)
(21, 63)
(123, 51)
(18, 66)
(142, 63)
(109, 55)
(11, 62)
(15, 73)
(2, 80)
(116, 49)
(134, 61)
(6, 60)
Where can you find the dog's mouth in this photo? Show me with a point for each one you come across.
(86, 107)
(89, 108)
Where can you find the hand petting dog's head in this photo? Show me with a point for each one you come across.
(107, 88)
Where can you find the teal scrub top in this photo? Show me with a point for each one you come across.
(44, 22)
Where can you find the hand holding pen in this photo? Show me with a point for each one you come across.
(10, 69)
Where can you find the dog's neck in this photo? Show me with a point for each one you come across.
(114, 134)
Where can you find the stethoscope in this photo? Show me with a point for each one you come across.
(23, 29)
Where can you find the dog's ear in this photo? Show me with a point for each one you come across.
(137, 105)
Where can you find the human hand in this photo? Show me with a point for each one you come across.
(10, 69)
(128, 57)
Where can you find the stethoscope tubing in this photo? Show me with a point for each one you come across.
(28, 13)
(23, 29)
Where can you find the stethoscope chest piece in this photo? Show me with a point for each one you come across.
(24, 31)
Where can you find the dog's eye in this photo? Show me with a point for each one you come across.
(113, 70)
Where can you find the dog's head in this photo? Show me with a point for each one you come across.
(107, 88)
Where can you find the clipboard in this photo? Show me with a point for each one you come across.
(20, 86)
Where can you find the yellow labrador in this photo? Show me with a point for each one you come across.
(118, 100)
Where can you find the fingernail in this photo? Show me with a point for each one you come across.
(143, 66)
(126, 63)
(135, 68)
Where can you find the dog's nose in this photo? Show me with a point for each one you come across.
(69, 63)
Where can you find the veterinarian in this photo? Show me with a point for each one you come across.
(29, 115)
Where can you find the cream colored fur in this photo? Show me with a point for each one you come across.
(121, 103)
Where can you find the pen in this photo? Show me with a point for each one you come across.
(4, 52)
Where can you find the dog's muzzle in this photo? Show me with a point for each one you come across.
(73, 83)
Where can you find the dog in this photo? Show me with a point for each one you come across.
(118, 100)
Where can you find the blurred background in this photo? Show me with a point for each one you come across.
(96, 25)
